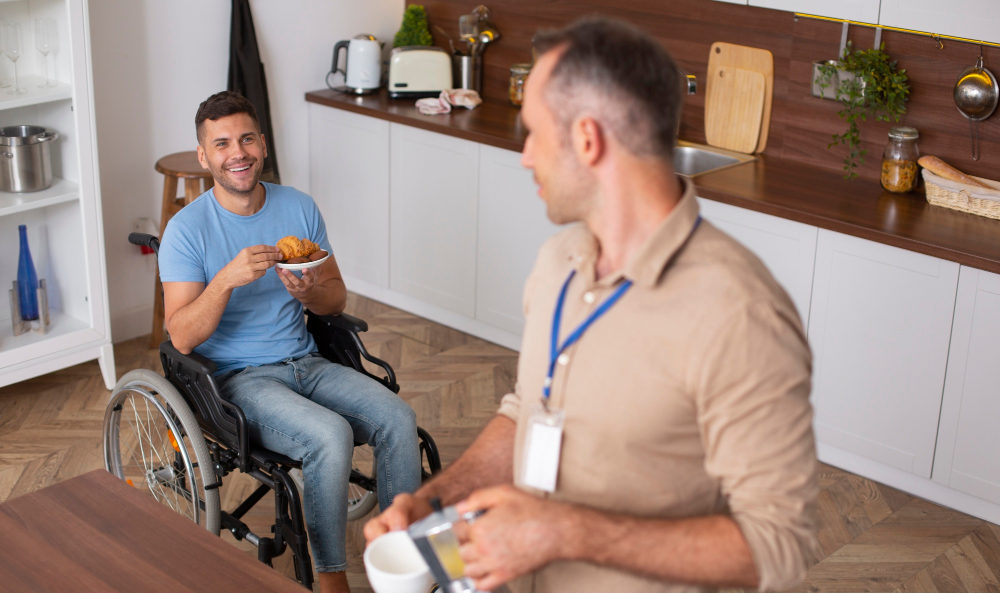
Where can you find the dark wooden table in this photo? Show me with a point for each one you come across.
(96, 534)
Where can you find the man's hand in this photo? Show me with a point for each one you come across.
(404, 510)
(298, 286)
(249, 264)
(518, 534)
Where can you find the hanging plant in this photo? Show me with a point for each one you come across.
(868, 85)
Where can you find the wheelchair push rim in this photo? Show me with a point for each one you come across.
(152, 441)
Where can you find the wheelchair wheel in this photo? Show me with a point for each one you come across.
(153, 442)
(361, 496)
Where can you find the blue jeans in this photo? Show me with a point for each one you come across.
(314, 410)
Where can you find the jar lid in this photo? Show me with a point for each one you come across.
(520, 68)
(903, 133)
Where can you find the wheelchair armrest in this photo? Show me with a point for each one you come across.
(192, 374)
(345, 321)
(194, 362)
(337, 338)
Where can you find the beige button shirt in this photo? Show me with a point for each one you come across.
(690, 396)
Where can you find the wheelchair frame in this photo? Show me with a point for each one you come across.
(187, 400)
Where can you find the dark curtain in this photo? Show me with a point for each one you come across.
(246, 76)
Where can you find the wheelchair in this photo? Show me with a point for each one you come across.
(175, 436)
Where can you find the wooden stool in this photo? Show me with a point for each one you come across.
(179, 165)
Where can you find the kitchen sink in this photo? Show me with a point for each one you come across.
(691, 160)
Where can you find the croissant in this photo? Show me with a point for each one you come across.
(293, 247)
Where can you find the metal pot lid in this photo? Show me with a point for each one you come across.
(25, 134)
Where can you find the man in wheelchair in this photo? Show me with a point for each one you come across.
(225, 298)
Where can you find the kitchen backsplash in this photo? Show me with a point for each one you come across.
(801, 125)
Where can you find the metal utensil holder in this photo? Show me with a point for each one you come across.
(40, 325)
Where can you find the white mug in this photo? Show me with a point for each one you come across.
(394, 565)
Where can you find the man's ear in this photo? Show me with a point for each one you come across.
(201, 157)
(588, 140)
(264, 145)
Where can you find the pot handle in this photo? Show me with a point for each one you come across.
(47, 137)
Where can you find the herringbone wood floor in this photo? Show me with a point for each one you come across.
(874, 538)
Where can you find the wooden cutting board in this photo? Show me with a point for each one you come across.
(732, 120)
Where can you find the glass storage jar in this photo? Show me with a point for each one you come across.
(518, 73)
(899, 161)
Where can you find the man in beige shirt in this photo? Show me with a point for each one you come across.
(660, 434)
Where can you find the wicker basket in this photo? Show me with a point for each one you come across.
(964, 197)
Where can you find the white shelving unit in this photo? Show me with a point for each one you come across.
(64, 221)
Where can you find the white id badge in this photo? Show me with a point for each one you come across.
(540, 462)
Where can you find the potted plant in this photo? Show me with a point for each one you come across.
(414, 30)
(868, 85)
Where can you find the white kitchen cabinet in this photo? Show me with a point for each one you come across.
(972, 19)
(64, 221)
(349, 179)
(432, 221)
(865, 11)
(968, 451)
(512, 227)
(879, 327)
(786, 247)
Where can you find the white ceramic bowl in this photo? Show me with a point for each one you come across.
(394, 565)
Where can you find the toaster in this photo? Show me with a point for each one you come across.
(418, 71)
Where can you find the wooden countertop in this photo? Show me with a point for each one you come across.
(770, 185)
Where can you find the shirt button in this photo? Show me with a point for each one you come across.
(588, 297)
(563, 359)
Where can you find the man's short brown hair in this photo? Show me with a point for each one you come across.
(620, 75)
(222, 104)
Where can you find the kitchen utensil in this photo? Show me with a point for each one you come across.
(25, 159)
(451, 42)
(738, 105)
(362, 67)
(487, 31)
(721, 104)
(435, 538)
(419, 71)
(976, 98)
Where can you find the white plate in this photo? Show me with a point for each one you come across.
(303, 265)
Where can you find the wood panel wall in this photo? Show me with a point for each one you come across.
(801, 125)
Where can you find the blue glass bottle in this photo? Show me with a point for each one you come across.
(27, 279)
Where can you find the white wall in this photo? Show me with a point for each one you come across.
(155, 61)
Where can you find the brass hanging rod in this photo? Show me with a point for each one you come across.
(934, 36)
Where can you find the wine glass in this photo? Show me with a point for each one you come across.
(46, 41)
(4, 78)
(12, 47)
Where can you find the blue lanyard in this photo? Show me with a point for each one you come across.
(555, 349)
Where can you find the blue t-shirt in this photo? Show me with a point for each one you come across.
(262, 323)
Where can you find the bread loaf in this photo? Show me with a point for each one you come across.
(943, 169)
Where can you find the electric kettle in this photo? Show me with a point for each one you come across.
(362, 68)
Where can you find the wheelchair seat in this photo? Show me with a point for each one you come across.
(174, 435)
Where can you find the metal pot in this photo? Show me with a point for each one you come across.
(976, 98)
(25, 159)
